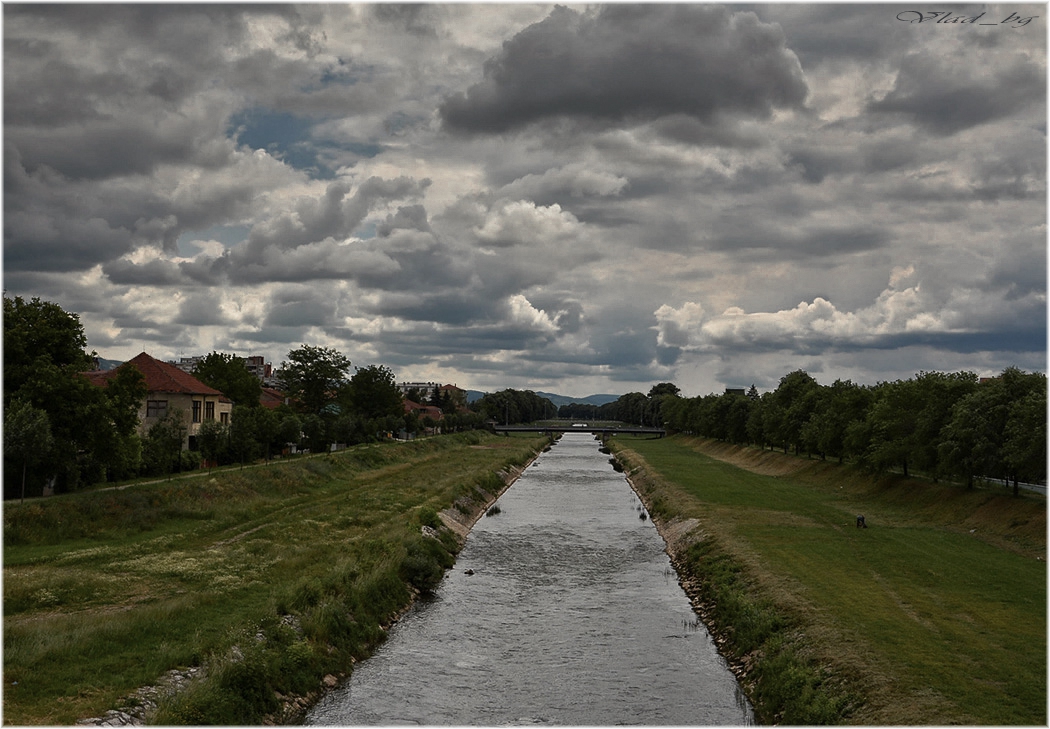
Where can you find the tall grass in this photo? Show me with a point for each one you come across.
(935, 614)
(269, 578)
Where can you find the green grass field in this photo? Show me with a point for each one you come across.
(105, 591)
(935, 614)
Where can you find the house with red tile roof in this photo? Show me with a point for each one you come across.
(170, 389)
(422, 410)
(270, 398)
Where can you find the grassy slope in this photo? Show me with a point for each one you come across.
(105, 591)
(916, 620)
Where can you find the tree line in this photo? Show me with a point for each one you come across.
(942, 425)
(62, 430)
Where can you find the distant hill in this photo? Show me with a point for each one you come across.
(108, 364)
(560, 400)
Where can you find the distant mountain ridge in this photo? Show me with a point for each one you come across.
(558, 400)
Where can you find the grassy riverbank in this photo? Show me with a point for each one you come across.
(268, 578)
(935, 614)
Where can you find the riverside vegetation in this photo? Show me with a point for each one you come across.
(934, 614)
(269, 579)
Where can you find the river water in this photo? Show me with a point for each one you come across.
(573, 616)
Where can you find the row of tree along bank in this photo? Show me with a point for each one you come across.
(62, 430)
(941, 425)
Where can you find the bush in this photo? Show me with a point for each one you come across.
(428, 516)
(425, 564)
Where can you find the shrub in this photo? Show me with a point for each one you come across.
(428, 516)
(425, 564)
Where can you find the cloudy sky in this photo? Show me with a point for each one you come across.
(575, 199)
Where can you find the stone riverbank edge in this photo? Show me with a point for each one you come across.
(137, 708)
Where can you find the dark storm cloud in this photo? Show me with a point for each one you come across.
(627, 62)
(945, 98)
(152, 273)
(742, 234)
(201, 308)
(299, 306)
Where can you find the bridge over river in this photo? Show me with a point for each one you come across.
(603, 430)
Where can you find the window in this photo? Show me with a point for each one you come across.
(209, 411)
(156, 408)
(196, 411)
(224, 418)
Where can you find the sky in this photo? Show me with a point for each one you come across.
(568, 198)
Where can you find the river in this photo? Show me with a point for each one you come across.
(573, 616)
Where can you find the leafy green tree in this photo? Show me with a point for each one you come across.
(1024, 448)
(267, 426)
(737, 415)
(315, 377)
(659, 396)
(789, 408)
(38, 333)
(162, 449)
(664, 388)
(992, 431)
(969, 442)
(937, 393)
(373, 392)
(213, 441)
(836, 408)
(27, 437)
(315, 433)
(893, 417)
(756, 420)
(289, 430)
(245, 443)
(228, 374)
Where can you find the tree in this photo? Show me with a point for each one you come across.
(373, 393)
(839, 407)
(228, 374)
(969, 443)
(664, 388)
(267, 426)
(27, 436)
(789, 408)
(315, 433)
(314, 376)
(162, 449)
(43, 352)
(245, 443)
(213, 440)
(1024, 449)
(658, 396)
(36, 333)
(289, 431)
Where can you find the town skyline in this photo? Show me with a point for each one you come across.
(578, 200)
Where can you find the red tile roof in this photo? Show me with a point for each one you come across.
(160, 377)
(271, 398)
